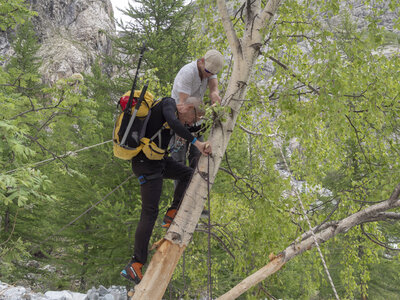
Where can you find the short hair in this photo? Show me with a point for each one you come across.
(194, 100)
(197, 103)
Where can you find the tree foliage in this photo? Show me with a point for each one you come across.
(166, 29)
(12, 13)
(319, 122)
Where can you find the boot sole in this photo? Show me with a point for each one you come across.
(135, 279)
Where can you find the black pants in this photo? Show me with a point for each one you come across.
(151, 193)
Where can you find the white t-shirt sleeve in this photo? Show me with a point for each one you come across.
(183, 82)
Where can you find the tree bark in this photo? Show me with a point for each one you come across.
(245, 52)
(163, 261)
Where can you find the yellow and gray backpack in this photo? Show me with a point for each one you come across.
(130, 127)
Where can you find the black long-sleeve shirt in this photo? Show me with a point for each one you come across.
(166, 111)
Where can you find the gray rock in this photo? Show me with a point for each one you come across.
(48, 268)
(93, 294)
(33, 264)
(102, 291)
(33, 276)
(65, 295)
(73, 36)
(9, 292)
(118, 292)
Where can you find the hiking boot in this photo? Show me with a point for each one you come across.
(133, 272)
(171, 213)
(169, 217)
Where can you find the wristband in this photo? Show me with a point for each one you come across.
(194, 141)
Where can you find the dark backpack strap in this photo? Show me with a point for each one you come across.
(144, 126)
(143, 130)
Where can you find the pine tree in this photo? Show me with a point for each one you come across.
(166, 28)
(24, 65)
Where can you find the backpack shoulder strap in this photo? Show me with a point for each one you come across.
(159, 100)
(144, 126)
(165, 125)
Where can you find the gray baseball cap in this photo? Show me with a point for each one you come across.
(214, 61)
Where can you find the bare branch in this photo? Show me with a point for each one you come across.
(319, 228)
(374, 239)
(240, 10)
(395, 195)
(258, 133)
(384, 216)
(249, 131)
(230, 31)
(359, 141)
(267, 293)
(281, 64)
(47, 150)
(328, 216)
(238, 179)
(38, 109)
(293, 22)
(217, 238)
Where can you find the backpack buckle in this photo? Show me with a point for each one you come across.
(142, 179)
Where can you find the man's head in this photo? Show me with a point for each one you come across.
(211, 63)
(190, 112)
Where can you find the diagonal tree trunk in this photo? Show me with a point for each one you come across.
(323, 233)
(245, 52)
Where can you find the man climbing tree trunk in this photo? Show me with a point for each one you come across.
(245, 51)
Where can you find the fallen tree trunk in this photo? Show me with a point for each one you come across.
(374, 213)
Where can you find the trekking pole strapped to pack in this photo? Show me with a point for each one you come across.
(130, 127)
(129, 104)
(132, 118)
(134, 128)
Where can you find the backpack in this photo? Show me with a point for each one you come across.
(135, 140)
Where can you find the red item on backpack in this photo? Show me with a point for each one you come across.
(124, 100)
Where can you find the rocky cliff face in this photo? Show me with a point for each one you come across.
(360, 12)
(72, 34)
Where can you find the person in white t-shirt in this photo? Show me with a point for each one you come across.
(192, 80)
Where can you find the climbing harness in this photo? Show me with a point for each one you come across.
(177, 146)
(144, 178)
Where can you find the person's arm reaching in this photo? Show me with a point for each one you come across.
(169, 112)
(214, 92)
